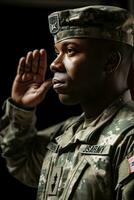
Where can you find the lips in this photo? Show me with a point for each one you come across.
(57, 83)
(60, 84)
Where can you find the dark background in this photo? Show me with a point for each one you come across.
(24, 27)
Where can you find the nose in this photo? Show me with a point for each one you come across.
(57, 64)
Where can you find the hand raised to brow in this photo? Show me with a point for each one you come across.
(30, 87)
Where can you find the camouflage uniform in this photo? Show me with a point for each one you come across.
(78, 158)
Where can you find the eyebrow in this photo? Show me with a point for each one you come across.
(69, 42)
(66, 43)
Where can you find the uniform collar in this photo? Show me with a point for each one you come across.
(87, 128)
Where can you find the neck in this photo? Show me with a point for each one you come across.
(94, 108)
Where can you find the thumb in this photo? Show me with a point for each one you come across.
(45, 86)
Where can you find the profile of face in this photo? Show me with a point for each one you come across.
(78, 69)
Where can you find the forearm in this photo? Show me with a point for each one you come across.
(19, 140)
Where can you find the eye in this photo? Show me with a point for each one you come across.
(71, 51)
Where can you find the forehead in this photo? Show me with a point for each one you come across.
(75, 41)
(83, 43)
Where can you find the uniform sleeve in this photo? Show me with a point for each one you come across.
(125, 168)
(23, 147)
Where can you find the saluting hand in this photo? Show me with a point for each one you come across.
(30, 87)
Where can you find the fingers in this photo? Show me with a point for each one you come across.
(21, 66)
(42, 63)
(35, 63)
(28, 64)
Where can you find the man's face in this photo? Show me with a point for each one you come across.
(78, 71)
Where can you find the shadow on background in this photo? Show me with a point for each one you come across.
(24, 28)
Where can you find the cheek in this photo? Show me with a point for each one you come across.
(77, 67)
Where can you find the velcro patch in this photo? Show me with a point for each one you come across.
(131, 164)
(54, 23)
(53, 147)
(55, 179)
(95, 149)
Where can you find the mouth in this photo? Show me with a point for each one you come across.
(59, 86)
(57, 83)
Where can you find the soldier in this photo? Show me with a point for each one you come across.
(90, 156)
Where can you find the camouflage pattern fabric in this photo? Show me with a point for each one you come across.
(125, 184)
(77, 160)
(97, 21)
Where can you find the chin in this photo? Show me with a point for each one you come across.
(68, 100)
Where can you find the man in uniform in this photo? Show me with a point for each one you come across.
(91, 156)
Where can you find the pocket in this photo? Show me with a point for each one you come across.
(86, 182)
(44, 176)
(73, 178)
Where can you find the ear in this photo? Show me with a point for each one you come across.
(112, 62)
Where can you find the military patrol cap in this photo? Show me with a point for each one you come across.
(96, 21)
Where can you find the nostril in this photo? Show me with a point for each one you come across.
(57, 66)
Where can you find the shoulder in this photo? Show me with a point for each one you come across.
(127, 111)
(59, 128)
(123, 121)
(125, 184)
